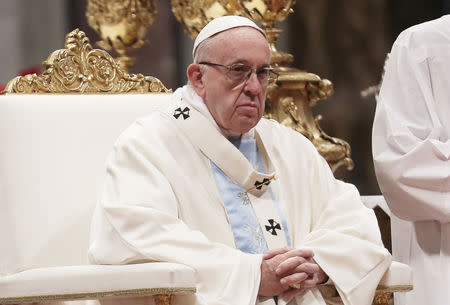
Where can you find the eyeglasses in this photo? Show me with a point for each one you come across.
(240, 73)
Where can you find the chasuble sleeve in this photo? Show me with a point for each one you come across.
(411, 146)
(327, 215)
(138, 220)
(345, 238)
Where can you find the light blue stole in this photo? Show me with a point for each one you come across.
(247, 230)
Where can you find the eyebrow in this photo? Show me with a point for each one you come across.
(244, 62)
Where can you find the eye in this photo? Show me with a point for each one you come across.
(240, 68)
(263, 72)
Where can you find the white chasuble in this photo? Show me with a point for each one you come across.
(161, 202)
(254, 184)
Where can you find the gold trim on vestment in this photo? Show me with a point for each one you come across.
(96, 295)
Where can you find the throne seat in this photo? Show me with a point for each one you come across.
(52, 166)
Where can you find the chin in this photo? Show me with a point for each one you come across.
(246, 125)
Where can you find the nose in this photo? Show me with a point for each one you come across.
(252, 85)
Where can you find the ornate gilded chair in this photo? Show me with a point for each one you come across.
(51, 171)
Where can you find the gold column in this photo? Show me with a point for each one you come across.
(289, 101)
(122, 25)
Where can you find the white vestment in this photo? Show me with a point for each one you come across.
(411, 150)
(161, 203)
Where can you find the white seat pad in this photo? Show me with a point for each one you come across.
(90, 281)
(399, 277)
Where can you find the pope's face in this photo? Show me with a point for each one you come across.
(236, 107)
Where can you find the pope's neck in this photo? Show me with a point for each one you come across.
(230, 134)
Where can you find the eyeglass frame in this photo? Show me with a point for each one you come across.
(271, 72)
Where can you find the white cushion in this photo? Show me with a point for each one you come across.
(90, 281)
(54, 148)
(52, 156)
(373, 201)
(398, 277)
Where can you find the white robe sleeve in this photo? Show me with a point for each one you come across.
(345, 238)
(137, 220)
(411, 146)
(327, 216)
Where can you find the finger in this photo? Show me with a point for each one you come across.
(292, 293)
(311, 281)
(309, 268)
(293, 279)
(289, 265)
(302, 252)
(274, 252)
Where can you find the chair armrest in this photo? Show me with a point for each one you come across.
(96, 281)
(397, 278)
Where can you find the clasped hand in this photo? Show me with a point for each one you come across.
(289, 272)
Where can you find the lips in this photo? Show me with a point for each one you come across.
(248, 105)
(248, 109)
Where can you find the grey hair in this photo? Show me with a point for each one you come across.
(203, 50)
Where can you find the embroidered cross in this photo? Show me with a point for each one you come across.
(184, 112)
(259, 184)
(244, 197)
(273, 227)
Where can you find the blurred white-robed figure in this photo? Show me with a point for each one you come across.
(411, 150)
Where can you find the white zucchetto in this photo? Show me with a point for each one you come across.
(221, 24)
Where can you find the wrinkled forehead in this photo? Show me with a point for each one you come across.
(234, 41)
(238, 42)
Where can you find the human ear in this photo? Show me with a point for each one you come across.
(195, 76)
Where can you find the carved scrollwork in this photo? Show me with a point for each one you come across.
(121, 23)
(289, 101)
(163, 299)
(318, 91)
(291, 118)
(78, 68)
(382, 298)
(268, 11)
(293, 111)
(195, 14)
(336, 151)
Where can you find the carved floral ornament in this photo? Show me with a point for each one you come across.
(122, 25)
(78, 68)
(115, 11)
(195, 14)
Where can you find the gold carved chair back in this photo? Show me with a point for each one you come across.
(78, 68)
